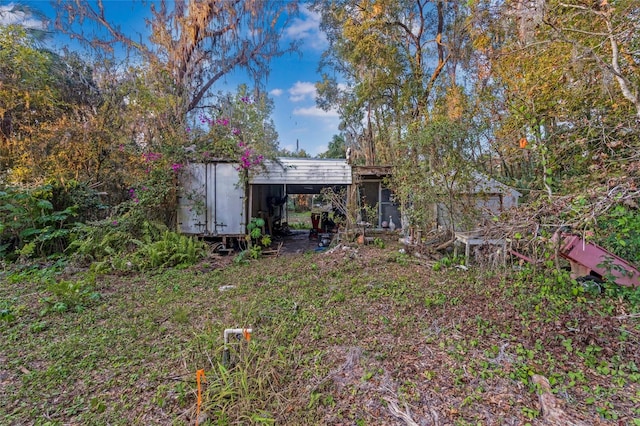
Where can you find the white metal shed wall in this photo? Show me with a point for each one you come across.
(303, 171)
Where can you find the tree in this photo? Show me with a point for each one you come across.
(392, 55)
(239, 123)
(300, 153)
(27, 97)
(336, 148)
(542, 79)
(194, 44)
(607, 34)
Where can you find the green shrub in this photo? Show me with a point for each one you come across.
(70, 295)
(621, 233)
(172, 249)
(30, 225)
(113, 237)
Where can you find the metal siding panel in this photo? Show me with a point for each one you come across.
(192, 202)
(211, 198)
(304, 171)
(229, 201)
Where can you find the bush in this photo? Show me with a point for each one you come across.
(30, 225)
(172, 249)
(621, 233)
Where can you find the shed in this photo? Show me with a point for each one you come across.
(482, 194)
(270, 186)
(371, 192)
(214, 202)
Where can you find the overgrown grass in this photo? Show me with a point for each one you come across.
(299, 220)
(337, 338)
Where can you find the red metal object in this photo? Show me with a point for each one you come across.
(315, 221)
(591, 259)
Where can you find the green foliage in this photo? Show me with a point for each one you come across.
(70, 295)
(30, 225)
(8, 310)
(172, 249)
(447, 262)
(497, 327)
(130, 243)
(620, 231)
(437, 171)
(379, 242)
(336, 149)
(97, 242)
(256, 239)
(255, 251)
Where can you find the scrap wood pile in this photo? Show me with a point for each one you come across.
(432, 243)
(530, 228)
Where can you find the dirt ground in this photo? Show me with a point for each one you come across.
(299, 242)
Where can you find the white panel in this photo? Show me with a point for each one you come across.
(229, 200)
(192, 200)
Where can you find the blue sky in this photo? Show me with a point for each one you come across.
(290, 83)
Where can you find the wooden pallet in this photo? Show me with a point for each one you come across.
(273, 252)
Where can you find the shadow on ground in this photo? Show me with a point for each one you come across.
(298, 242)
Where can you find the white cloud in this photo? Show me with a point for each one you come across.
(307, 29)
(315, 112)
(276, 92)
(302, 90)
(11, 14)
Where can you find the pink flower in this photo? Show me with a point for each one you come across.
(176, 166)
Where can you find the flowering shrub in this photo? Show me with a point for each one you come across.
(248, 158)
(229, 141)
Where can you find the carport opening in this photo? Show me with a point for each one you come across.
(298, 208)
(314, 210)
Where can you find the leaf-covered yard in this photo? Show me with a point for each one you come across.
(360, 335)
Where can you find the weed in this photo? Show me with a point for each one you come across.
(433, 332)
(70, 295)
(530, 413)
(181, 315)
(438, 299)
(379, 242)
(8, 310)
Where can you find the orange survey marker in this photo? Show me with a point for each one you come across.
(199, 379)
(246, 332)
(523, 143)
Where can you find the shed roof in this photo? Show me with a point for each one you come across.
(303, 171)
(479, 183)
(484, 184)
